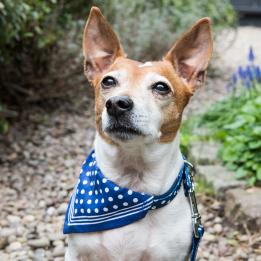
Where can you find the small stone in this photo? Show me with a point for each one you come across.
(6, 232)
(209, 237)
(14, 246)
(28, 219)
(39, 255)
(13, 221)
(243, 238)
(50, 211)
(3, 242)
(218, 228)
(39, 243)
(62, 208)
(59, 251)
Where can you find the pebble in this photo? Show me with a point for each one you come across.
(58, 251)
(218, 228)
(13, 221)
(39, 243)
(14, 246)
(62, 208)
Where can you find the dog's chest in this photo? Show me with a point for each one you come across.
(163, 234)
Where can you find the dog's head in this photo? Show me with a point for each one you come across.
(142, 101)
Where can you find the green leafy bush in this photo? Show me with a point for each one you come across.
(236, 123)
(148, 28)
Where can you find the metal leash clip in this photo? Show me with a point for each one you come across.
(196, 218)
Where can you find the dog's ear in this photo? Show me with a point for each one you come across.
(100, 44)
(190, 55)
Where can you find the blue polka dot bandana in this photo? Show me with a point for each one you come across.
(98, 204)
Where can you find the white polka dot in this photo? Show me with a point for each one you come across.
(120, 196)
(76, 201)
(154, 207)
(95, 172)
(105, 209)
(163, 202)
(77, 191)
(102, 200)
(75, 211)
(81, 171)
(91, 183)
(82, 210)
(89, 201)
(96, 192)
(81, 201)
(115, 206)
(130, 192)
(106, 190)
(110, 199)
(93, 155)
(88, 211)
(100, 191)
(98, 182)
(104, 180)
(84, 182)
(135, 200)
(96, 201)
(91, 163)
(90, 193)
(96, 210)
(82, 191)
(125, 204)
(88, 173)
(116, 188)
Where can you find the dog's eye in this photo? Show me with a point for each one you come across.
(161, 88)
(108, 82)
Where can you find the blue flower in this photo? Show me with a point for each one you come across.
(249, 73)
(234, 79)
(251, 56)
(241, 72)
(258, 73)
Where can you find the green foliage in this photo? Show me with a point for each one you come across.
(202, 186)
(3, 122)
(148, 28)
(236, 123)
(187, 134)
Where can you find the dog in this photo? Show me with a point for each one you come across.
(139, 110)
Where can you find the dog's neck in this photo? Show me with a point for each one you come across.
(150, 168)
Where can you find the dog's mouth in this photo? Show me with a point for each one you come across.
(123, 132)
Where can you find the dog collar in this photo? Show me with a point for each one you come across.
(98, 203)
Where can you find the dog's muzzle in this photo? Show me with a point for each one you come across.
(119, 105)
(119, 109)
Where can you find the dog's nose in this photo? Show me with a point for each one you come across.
(118, 105)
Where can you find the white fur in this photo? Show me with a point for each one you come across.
(164, 234)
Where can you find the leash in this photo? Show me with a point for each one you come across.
(198, 229)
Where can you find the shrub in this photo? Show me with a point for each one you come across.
(148, 28)
(40, 40)
(236, 123)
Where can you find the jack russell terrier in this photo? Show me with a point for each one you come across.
(134, 198)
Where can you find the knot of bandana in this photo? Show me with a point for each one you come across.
(98, 203)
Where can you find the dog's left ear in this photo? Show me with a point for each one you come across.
(100, 44)
(190, 55)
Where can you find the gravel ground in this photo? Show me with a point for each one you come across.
(39, 163)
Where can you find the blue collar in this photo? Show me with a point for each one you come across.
(98, 203)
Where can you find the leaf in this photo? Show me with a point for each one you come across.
(241, 173)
